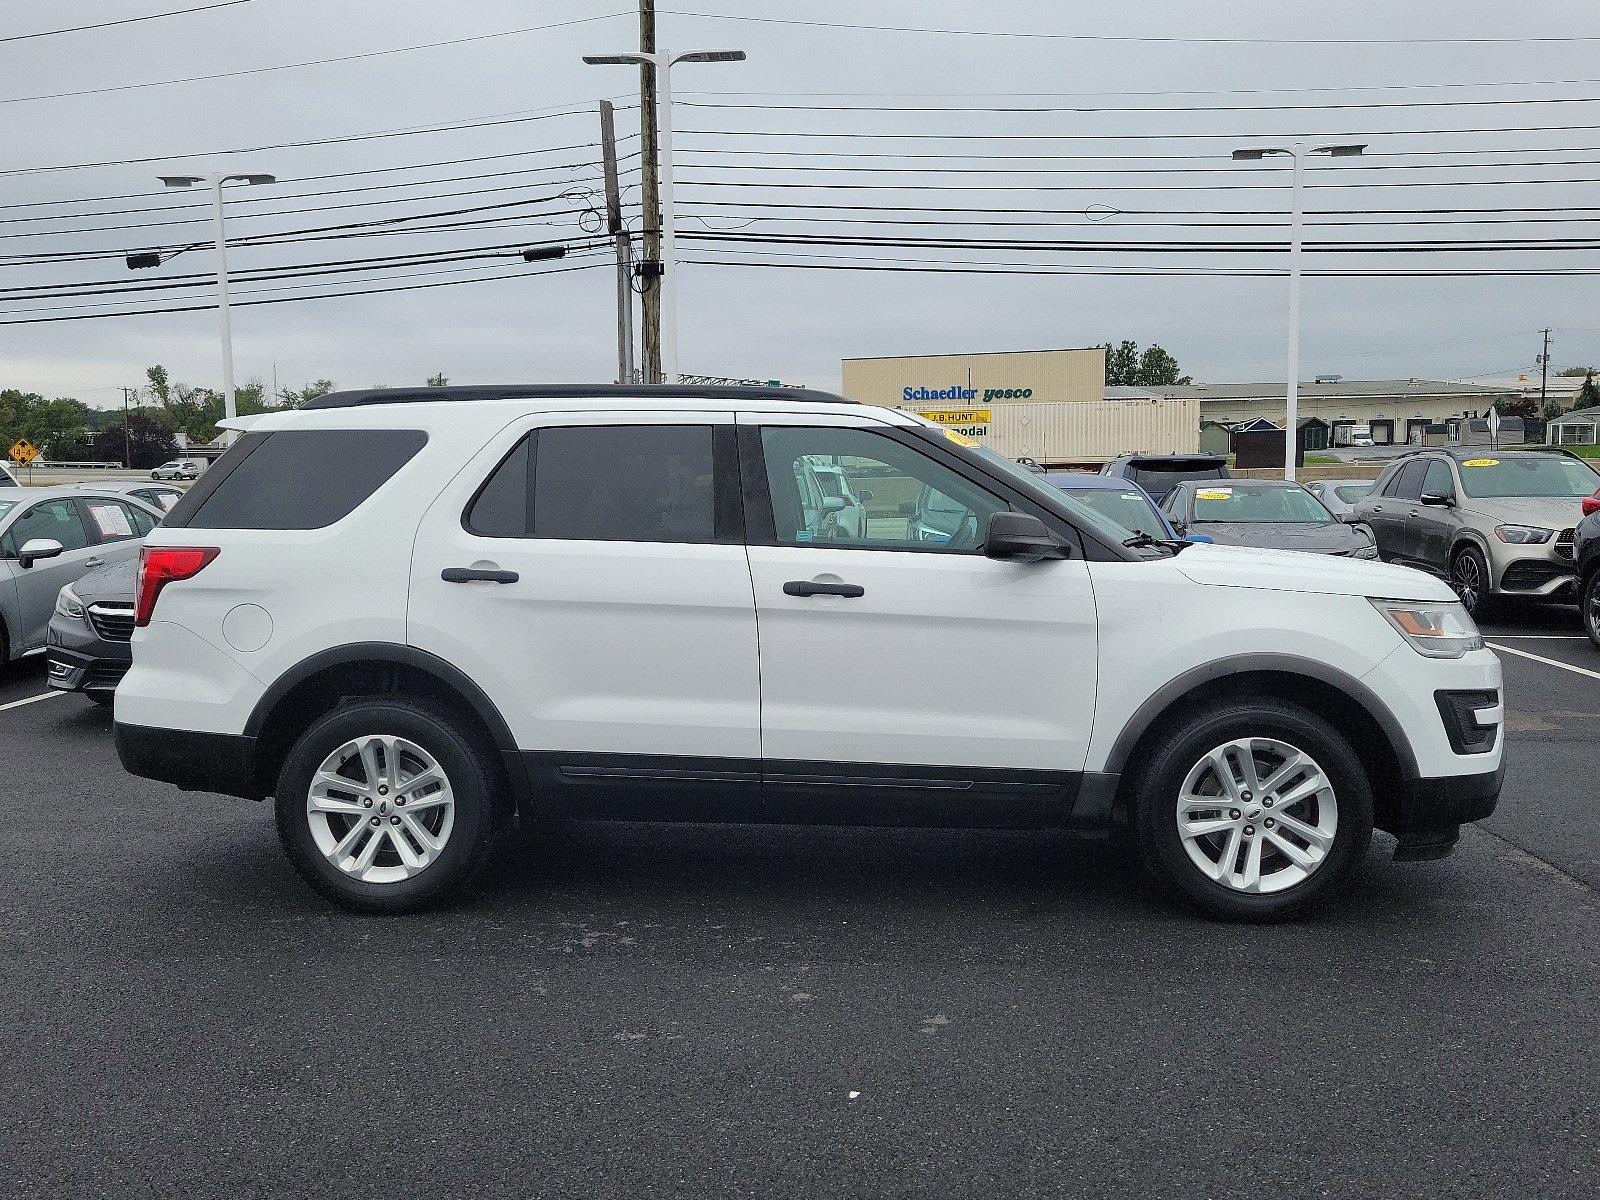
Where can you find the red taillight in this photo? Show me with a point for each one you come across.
(1591, 504)
(161, 565)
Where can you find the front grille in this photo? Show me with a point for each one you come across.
(114, 622)
(1563, 547)
(1532, 573)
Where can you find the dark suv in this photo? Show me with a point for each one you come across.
(1586, 552)
(1158, 474)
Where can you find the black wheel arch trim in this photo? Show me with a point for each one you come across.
(1244, 664)
(377, 654)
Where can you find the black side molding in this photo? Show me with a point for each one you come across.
(196, 762)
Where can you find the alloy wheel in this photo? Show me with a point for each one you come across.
(380, 809)
(1466, 580)
(1257, 815)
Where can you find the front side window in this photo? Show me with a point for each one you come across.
(56, 520)
(912, 502)
(602, 483)
(1437, 481)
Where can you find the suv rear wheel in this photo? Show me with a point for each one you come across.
(1255, 811)
(385, 806)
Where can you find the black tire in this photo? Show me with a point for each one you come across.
(465, 759)
(1589, 606)
(1472, 582)
(1159, 784)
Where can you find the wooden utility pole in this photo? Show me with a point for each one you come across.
(1544, 375)
(127, 447)
(649, 198)
(619, 234)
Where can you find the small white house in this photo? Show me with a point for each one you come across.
(1580, 427)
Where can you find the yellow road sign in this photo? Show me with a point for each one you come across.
(23, 451)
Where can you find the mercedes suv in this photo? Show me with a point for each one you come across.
(412, 617)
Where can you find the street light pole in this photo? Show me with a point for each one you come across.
(1297, 152)
(154, 259)
(663, 62)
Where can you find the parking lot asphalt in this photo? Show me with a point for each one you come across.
(643, 1010)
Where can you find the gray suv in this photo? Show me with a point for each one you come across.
(1493, 522)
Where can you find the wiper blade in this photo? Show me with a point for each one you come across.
(1142, 540)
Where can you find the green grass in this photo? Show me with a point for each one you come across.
(1584, 451)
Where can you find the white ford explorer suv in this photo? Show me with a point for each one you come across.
(411, 617)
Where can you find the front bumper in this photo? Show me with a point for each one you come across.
(83, 661)
(1427, 814)
(1547, 570)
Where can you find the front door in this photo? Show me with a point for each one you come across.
(1433, 526)
(38, 585)
(588, 571)
(903, 674)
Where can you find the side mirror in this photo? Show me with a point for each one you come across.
(864, 496)
(1020, 537)
(1438, 500)
(833, 504)
(36, 548)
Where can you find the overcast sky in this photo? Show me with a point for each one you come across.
(791, 324)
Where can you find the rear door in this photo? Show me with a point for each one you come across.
(588, 571)
(902, 674)
(1387, 513)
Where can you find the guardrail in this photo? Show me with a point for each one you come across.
(42, 464)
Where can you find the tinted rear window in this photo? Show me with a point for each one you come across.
(295, 478)
(1158, 481)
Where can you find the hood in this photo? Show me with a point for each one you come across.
(1552, 512)
(1292, 571)
(113, 583)
(1327, 538)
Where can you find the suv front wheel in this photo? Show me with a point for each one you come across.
(1255, 811)
(384, 806)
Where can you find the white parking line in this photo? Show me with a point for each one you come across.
(1544, 637)
(1547, 661)
(50, 695)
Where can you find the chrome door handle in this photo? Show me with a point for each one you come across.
(97, 561)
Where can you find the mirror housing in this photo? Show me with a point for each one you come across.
(36, 548)
(1438, 500)
(1021, 538)
(863, 495)
(833, 504)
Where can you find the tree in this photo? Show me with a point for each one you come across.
(57, 427)
(1575, 372)
(1589, 394)
(291, 398)
(1126, 366)
(1517, 406)
(151, 441)
(438, 380)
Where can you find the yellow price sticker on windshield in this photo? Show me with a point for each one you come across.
(961, 439)
(1214, 494)
(1481, 462)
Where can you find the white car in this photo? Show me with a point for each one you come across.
(178, 468)
(405, 615)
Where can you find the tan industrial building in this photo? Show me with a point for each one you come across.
(934, 380)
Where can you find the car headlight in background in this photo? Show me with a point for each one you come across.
(1438, 629)
(1364, 552)
(68, 604)
(1523, 535)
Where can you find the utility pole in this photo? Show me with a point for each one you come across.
(649, 198)
(127, 449)
(608, 153)
(1544, 375)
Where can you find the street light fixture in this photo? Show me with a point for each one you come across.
(154, 258)
(1298, 152)
(663, 62)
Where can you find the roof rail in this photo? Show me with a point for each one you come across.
(570, 391)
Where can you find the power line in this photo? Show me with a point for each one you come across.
(1189, 246)
(1344, 134)
(295, 66)
(911, 266)
(1104, 37)
(414, 287)
(1129, 187)
(1219, 166)
(1144, 108)
(160, 16)
(1250, 91)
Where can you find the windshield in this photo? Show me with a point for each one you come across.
(1130, 509)
(1351, 492)
(1269, 502)
(1527, 475)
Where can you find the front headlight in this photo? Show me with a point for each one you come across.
(68, 604)
(1523, 535)
(1436, 630)
(1364, 552)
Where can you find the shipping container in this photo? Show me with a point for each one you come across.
(1075, 433)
